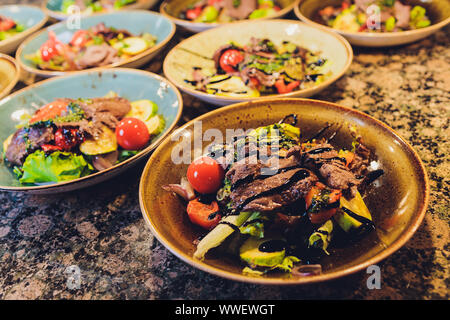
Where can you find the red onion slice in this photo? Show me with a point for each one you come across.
(184, 189)
(306, 270)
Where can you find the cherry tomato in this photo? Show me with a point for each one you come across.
(51, 47)
(50, 111)
(213, 2)
(132, 134)
(205, 175)
(286, 88)
(6, 24)
(67, 139)
(230, 59)
(80, 38)
(323, 215)
(193, 14)
(203, 214)
(50, 148)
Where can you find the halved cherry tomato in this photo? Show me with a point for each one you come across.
(255, 82)
(205, 175)
(51, 47)
(193, 14)
(345, 5)
(212, 2)
(67, 139)
(230, 59)
(6, 24)
(205, 215)
(80, 38)
(286, 88)
(132, 134)
(324, 214)
(50, 111)
(50, 147)
(348, 156)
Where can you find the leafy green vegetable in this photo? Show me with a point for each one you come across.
(254, 225)
(321, 238)
(55, 167)
(125, 154)
(121, 3)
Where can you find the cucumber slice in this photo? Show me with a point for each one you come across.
(155, 124)
(142, 109)
(217, 235)
(134, 45)
(105, 143)
(224, 85)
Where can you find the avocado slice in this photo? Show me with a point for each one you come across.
(267, 252)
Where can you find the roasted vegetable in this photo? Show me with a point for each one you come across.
(353, 216)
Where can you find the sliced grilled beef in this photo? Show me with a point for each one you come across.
(25, 141)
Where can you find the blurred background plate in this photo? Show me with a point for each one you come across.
(31, 17)
(173, 8)
(134, 21)
(53, 8)
(437, 10)
(9, 74)
(196, 50)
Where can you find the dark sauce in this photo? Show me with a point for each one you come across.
(213, 215)
(233, 226)
(299, 175)
(320, 150)
(272, 246)
(367, 225)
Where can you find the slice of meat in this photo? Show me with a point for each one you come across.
(285, 198)
(97, 56)
(242, 10)
(402, 14)
(25, 141)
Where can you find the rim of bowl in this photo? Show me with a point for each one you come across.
(28, 31)
(184, 22)
(324, 84)
(47, 73)
(140, 155)
(62, 16)
(379, 35)
(394, 246)
(13, 83)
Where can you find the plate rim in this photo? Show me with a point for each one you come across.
(393, 247)
(133, 159)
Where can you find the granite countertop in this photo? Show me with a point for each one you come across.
(46, 241)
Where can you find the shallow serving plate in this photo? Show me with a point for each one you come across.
(196, 50)
(31, 17)
(135, 21)
(173, 8)
(9, 74)
(437, 10)
(397, 204)
(52, 7)
(128, 83)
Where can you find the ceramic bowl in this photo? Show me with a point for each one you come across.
(397, 201)
(52, 8)
(128, 83)
(9, 74)
(173, 8)
(437, 10)
(196, 50)
(31, 17)
(135, 21)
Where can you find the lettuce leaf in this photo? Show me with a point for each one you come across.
(55, 167)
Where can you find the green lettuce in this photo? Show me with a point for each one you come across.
(55, 167)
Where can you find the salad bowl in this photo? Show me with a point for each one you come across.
(397, 202)
(29, 17)
(197, 52)
(9, 74)
(437, 10)
(54, 8)
(134, 21)
(130, 84)
(172, 9)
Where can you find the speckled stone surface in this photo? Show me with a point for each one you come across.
(99, 234)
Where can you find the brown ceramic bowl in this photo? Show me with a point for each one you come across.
(9, 74)
(437, 10)
(397, 205)
(172, 9)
